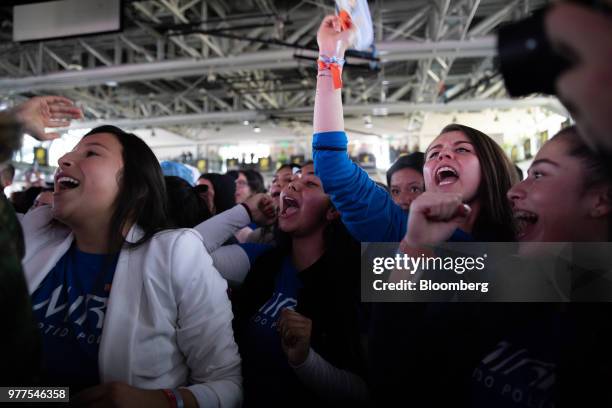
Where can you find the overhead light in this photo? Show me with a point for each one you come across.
(256, 129)
(245, 123)
(385, 82)
(112, 84)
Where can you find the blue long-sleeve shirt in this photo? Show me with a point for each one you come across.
(367, 210)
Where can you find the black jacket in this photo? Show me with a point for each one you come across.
(20, 348)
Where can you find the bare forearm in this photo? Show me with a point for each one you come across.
(159, 399)
(188, 398)
(328, 114)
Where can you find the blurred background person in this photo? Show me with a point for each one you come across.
(172, 168)
(405, 179)
(186, 208)
(282, 177)
(6, 177)
(24, 200)
(248, 183)
(219, 193)
(45, 197)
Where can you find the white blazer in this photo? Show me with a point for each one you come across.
(168, 318)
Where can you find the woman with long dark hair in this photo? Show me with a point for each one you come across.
(297, 312)
(368, 211)
(428, 347)
(297, 304)
(128, 312)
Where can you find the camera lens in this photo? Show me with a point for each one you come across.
(527, 61)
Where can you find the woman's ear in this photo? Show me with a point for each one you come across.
(332, 214)
(602, 201)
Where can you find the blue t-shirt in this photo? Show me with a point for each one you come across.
(265, 363)
(70, 305)
(254, 251)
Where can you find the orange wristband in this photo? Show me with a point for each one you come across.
(334, 65)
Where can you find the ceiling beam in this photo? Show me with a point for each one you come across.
(102, 58)
(411, 25)
(391, 108)
(273, 59)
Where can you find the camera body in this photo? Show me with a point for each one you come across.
(527, 60)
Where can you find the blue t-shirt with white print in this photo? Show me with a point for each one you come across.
(265, 363)
(70, 305)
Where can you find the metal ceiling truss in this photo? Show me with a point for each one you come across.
(238, 59)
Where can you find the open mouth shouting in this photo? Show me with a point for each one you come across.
(446, 175)
(289, 206)
(64, 182)
(526, 222)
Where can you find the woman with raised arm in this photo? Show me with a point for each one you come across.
(462, 166)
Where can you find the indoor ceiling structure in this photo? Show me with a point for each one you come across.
(185, 65)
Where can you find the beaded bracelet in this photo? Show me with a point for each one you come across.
(334, 65)
(174, 397)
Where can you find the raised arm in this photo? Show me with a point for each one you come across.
(42, 112)
(258, 208)
(368, 211)
(328, 115)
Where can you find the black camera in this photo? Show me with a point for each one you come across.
(527, 60)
